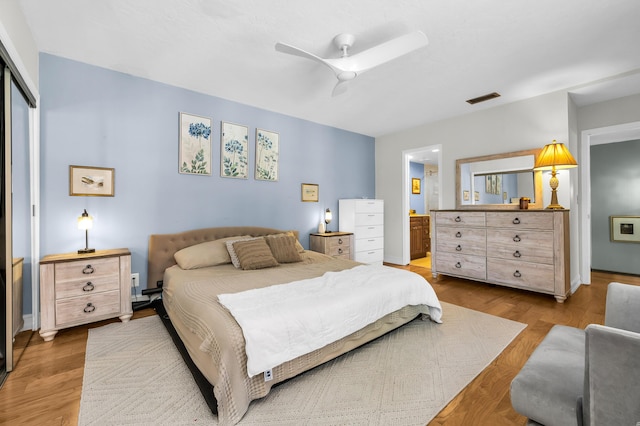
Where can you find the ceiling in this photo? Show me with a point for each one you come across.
(225, 48)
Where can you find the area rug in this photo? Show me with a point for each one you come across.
(134, 375)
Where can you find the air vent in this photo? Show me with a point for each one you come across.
(483, 98)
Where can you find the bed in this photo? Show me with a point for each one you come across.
(197, 278)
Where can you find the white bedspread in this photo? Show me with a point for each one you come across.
(285, 321)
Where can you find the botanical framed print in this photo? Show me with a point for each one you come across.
(91, 181)
(267, 155)
(195, 145)
(415, 185)
(310, 192)
(234, 153)
(625, 229)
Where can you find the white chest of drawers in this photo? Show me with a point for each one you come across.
(365, 219)
(78, 289)
(527, 249)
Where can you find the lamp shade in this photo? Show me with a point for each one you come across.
(554, 155)
(85, 221)
(328, 216)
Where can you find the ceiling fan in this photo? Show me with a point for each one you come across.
(347, 67)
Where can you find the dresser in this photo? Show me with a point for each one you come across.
(420, 242)
(365, 219)
(526, 249)
(78, 289)
(18, 319)
(336, 244)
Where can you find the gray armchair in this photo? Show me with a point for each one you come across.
(586, 377)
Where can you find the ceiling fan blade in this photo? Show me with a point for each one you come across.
(292, 50)
(340, 88)
(384, 52)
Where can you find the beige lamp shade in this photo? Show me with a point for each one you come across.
(554, 156)
(85, 221)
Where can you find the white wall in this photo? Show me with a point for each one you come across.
(527, 124)
(16, 36)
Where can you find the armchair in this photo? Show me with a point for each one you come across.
(586, 377)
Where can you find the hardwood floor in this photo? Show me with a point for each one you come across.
(44, 388)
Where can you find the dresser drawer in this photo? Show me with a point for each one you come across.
(86, 269)
(87, 308)
(461, 265)
(461, 240)
(369, 206)
(370, 256)
(460, 218)
(370, 244)
(365, 219)
(338, 250)
(531, 276)
(370, 231)
(523, 245)
(87, 286)
(531, 220)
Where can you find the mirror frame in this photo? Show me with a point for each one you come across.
(537, 182)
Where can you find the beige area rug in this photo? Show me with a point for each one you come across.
(134, 375)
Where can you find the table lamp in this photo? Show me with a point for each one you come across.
(554, 156)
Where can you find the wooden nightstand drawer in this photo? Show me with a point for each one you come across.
(337, 244)
(87, 269)
(88, 308)
(86, 286)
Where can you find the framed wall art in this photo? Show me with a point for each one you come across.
(234, 150)
(625, 229)
(267, 155)
(310, 192)
(415, 185)
(195, 145)
(91, 181)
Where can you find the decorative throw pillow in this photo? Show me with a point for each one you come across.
(283, 247)
(254, 254)
(232, 252)
(298, 245)
(210, 253)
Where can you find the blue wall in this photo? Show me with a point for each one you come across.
(416, 201)
(96, 117)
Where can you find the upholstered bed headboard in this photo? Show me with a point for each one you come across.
(163, 246)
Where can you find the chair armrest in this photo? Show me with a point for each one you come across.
(612, 376)
(623, 307)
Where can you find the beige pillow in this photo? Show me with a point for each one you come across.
(298, 245)
(283, 247)
(254, 254)
(210, 253)
(231, 250)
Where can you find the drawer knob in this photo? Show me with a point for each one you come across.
(458, 234)
(339, 240)
(517, 274)
(458, 265)
(459, 248)
(88, 286)
(517, 254)
(340, 250)
(458, 219)
(89, 308)
(88, 270)
(516, 221)
(517, 239)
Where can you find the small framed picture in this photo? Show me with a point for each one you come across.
(195, 145)
(625, 229)
(476, 195)
(415, 185)
(91, 181)
(465, 195)
(310, 192)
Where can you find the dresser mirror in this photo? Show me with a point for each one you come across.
(498, 181)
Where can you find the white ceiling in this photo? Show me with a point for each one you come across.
(225, 48)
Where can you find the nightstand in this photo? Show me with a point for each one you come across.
(336, 244)
(78, 289)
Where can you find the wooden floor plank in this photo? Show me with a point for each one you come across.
(45, 387)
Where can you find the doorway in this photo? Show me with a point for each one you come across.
(602, 135)
(421, 194)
